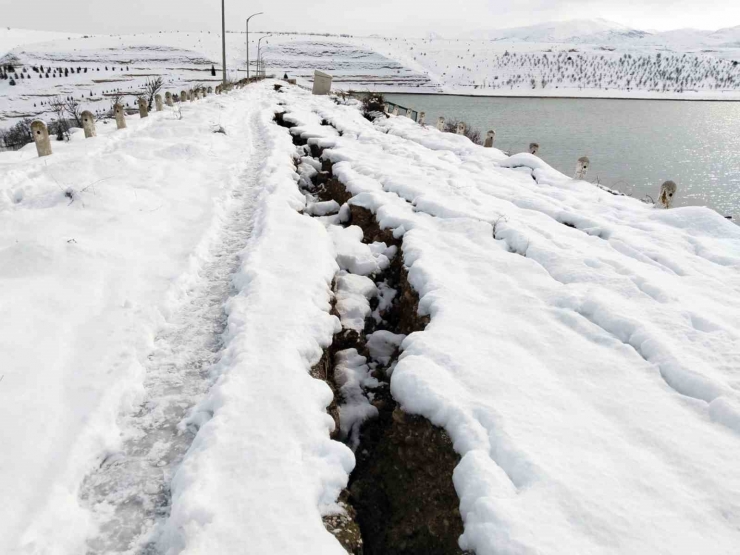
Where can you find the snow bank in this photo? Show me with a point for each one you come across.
(582, 349)
(98, 244)
(262, 469)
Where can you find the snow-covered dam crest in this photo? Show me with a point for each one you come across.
(254, 322)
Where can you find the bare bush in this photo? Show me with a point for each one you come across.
(473, 134)
(17, 136)
(152, 87)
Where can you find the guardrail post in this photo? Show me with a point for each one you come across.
(88, 124)
(168, 98)
(667, 192)
(158, 102)
(582, 167)
(441, 124)
(534, 148)
(143, 111)
(490, 137)
(422, 115)
(120, 116)
(41, 138)
(461, 128)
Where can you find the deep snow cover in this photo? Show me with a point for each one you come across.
(582, 349)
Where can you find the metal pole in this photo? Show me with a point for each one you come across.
(223, 38)
(259, 56)
(250, 17)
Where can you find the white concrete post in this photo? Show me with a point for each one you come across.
(41, 138)
(667, 192)
(490, 137)
(210, 90)
(395, 110)
(143, 111)
(582, 167)
(191, 95)
(88, 124)
(183, 96)
(168, 98)
(534, 148)
(120, 116)
(158, 102)
(321, 83)
(422, 115)
(441, 124)
(461, 128)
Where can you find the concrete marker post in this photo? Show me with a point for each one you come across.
(88, 124)
(461, 128)
(143, 111)
(41, 138)
(667, 192)
(168, 98)
(422, 115)
(158, 102)
(441, 123)
(183, 96)
(534, 148)
(490, 137)
(120, 116)
(582, 167)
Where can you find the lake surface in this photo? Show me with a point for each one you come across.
(633, 145)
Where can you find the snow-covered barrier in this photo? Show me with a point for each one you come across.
(581, 351)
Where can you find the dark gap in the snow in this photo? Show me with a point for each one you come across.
(401, 492)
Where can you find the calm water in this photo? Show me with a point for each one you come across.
(634, 145)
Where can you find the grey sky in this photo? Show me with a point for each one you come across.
(400, 17)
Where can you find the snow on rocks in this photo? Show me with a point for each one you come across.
(352, 375)
(353, 294)
(355, 256)
(582, 360)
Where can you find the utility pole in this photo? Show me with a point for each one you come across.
(250, 17)
(223, 38)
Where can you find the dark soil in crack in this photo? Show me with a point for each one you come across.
(400, 499)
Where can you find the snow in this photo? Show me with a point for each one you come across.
(353, 377)
(606, 62)
(353, 293)
(581, 350)
(93, 288)
(585, 372)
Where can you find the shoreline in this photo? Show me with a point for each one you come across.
(566, 96)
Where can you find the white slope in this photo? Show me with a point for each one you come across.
(13, 38)
(582, 350)
(123, 258)
(574, 30)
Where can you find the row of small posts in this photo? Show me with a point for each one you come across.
(667, 189)
(41, 133)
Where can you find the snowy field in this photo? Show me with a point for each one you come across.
(584, 60)
(165, 291)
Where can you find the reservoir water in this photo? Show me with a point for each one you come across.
(633, 145)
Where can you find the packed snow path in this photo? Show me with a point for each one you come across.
(130, 490)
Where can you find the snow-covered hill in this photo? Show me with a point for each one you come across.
(577, 30)
(596, 59)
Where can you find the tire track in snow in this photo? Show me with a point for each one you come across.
(129, 494)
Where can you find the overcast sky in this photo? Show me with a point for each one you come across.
(398, 17)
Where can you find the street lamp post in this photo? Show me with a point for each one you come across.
(223, 39)
(250, 17)
(259, 57)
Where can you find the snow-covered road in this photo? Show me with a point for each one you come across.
(130, 492)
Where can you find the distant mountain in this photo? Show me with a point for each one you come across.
(558, 31)
(602, 31)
